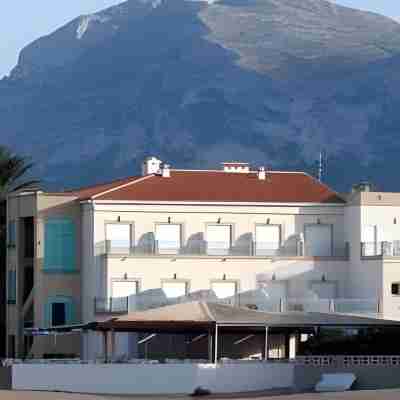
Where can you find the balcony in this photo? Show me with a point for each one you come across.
(202, 248)
(256, 300)
(380, 249)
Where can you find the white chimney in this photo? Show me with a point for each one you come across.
(151, 165)
(166, 171)
(262, 174)
(237, 167)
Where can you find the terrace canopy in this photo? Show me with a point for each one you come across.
(195, 316)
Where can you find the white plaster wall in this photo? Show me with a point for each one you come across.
(244, 218)
(153, 379)
(390, 303)
(299, 274)
(383, 217)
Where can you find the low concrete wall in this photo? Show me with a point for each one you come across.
(368, 377)
(152, 379)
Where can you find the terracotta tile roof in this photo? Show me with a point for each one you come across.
(219, 186)
(88, 192)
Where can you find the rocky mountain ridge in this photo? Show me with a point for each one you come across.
(267, 81)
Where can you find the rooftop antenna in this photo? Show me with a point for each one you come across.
(322, 165)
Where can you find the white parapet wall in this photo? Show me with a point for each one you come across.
(152, 379)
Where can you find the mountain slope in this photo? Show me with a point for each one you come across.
(267, 81)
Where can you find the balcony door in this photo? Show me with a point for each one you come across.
(168, 237)
(369, 237)
(318, 240)
(219, 239)
(268, 239)
(124, 288)
(119, 238)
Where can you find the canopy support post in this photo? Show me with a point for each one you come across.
(216, 345)
(266, 354)
(105, 346)
(210, 347)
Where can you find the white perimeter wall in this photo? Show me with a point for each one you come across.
(153, 379)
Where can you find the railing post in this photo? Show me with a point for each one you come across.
(127, 304)
(362, 245)
(331, 305)
(111, 304)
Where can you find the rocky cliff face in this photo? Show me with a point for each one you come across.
(266, 81)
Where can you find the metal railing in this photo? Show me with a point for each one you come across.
(380, 249)
(256, 300)
(218, 249)
(111, 305)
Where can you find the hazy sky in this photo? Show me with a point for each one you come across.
(22, 21)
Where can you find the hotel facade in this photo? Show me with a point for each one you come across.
(269, 240)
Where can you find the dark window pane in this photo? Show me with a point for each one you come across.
(58, 314)
(395, 288)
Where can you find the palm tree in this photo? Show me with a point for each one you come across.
(12, 171)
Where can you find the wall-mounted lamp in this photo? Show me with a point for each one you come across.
(175, 276)
(119, 218)
(318, 221)
(223, 259)
(273, 278)
(218, 220)
(224, 277)
(395, 221)
(169, 220)
(126, 276)
(268, 221)
(173, 259)
(323, 278)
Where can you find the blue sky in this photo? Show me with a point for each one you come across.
(22, 21)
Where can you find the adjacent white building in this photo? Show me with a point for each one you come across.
(265, 239)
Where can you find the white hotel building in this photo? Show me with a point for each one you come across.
(273, 240)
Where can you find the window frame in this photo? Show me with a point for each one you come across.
(257, 224)
(391, 289)
(70, 318)
(12, 233)
(181, 238)
(330, 226)
(136, 280)
(185, 281)
(235, 281)
(132, 238)
(61, 269)
(232, 237)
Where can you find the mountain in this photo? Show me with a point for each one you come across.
(267, 81)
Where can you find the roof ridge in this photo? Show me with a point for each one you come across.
(238, 173)
(81, 188)
(121, 186)
(206, 309)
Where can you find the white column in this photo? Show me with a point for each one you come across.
(216, 345)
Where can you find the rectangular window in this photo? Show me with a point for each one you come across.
(58, 314)
(168, 238)
(219, 239)
(119, 238)
(124, 288)
(224, 289)
(268, 238)
(12, 233)
(396, 289)
(174, 289)
(12, 287)
(60, 245)
(29, 237)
